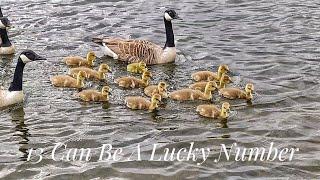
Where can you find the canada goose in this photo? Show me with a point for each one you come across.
(132, 82)
(66, 81)
(161, 89)
(138, 67)
(138, 102)
(130, 50)
(6, 47)
(98, 75)
(212, 111)
(94, 95)
(80, 61)
(15, 93)
(210, 76)
(191, 94)
(235, 93)
(225, 79)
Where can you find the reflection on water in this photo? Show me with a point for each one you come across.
(22, 131)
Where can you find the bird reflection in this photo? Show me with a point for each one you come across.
(21, 129)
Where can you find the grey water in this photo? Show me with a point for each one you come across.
(272, 44)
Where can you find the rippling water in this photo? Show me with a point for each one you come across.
(273, 44)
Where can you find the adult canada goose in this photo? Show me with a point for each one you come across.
(130, 50)
(212, 111)
(161, 89)
(132, 82)
(191, 94)
(138, 67)
(91, 74)
(94, 95)
(235, 93)
(6, 47)
(225, 79)
(80, 61)
(66, 81)
(138, 102)
(210, 76)
(15, 93)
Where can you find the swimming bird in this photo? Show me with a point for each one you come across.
(80, 61)
(160, 89)
(66, 81)
(210, 76)
(6, 47)
(130, 50)
(191, 94)
(235, 93)
(91, 74)
(138, 102)
(225, 79)
(138, 67)
(212, 111)
(132, 82)
(15, 93)
(94, 95)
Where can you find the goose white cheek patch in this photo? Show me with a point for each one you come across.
(167, 16)
(2, 26)
(25, 59)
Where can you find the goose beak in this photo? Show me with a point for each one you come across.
(39, 58)
(177, 17)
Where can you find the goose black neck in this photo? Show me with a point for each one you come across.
(169, 34)
(1, 15)
(16, 84)
(5, 39)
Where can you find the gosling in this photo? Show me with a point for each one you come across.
(139, 67)
(132, 82)
(210, 76)
(94, 95)
(80, 61)
(235, 93)
(92, 74)
(161, 89)
(191, 94)
(66, 81)
(212, 111)
(138, 102)
(225, 79)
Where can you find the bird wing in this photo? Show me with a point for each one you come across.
(131, 50)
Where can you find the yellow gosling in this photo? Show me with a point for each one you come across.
(92, 74)
(191, 94)
(138, 102)
(161, 89)
(235, 93)
(139, 67)
(212, 111)
(66, 81)
(210, 76)
(80, 61)
(94, 95)
(132, 82)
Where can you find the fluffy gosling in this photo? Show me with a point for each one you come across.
(138, 102)
(212, 111)
(80, 61)
(66, 81)
(94, 95)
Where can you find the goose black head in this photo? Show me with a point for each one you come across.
(29, 56)
(4, 23)
(170, 14)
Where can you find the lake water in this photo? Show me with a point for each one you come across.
(273, 44)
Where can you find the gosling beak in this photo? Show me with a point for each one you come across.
(40, 58)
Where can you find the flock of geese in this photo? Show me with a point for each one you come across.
(138, 54)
